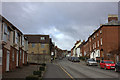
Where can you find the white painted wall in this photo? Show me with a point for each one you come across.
(78, 52)
(95, 54)
(74, 52)
(0, 56)
(0, 29)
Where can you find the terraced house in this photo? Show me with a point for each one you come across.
(39, 48)
(104, 43)
(13, 46)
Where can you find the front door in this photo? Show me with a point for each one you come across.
(17, 59)
(117, 58)
(7, 61)
(23, 57)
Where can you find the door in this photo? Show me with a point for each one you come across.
(8, 61)
(17, 59)
(1, 57)
(23, 57)
(117, 58)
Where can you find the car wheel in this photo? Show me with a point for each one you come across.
(116, 70)
(88, 64)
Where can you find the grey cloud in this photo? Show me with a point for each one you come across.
(76, 20)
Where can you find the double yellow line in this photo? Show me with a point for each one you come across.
(65, 71)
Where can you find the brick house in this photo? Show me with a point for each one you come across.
(39, 48)
(104, 43)
(72, 51)
(11, 41)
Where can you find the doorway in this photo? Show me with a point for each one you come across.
(8, 61)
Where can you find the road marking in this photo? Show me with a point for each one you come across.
(65, 71)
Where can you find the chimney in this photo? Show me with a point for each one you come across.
(112, 17)
(83, 40)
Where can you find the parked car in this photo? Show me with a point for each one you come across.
(91, 62)
(117, 67)
(69, 58)
(107, 64)
(75, 59)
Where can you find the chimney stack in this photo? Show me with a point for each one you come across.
(112, 17)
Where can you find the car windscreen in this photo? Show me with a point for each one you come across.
(111, 62)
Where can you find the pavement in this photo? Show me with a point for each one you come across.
(20, 73)
(67, 70)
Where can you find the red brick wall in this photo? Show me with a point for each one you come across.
(20, 60)
(25, 58)
(110, 40)
(4, 60)
(13, 62)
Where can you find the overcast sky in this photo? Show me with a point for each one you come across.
(65, 22)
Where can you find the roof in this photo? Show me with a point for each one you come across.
(4, 19)
(36, 38)
(112, 23)
(112, 15)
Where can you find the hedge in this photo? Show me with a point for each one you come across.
(42, 68)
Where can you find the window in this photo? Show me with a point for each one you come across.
(23, 57)
(20, 54)
(17, 38)
(101, 41)
(42, 38)
(0, 57)
(5, 32)
(13, 56)
(8, 35)
(5, 28)
(98, 43)
(100, 31)
(44, 51)
(90, 47)
(95, 44)
(90, 39)
(98, 53)
(94, 36)
(97, 34)
(22, 40)
(33, 45)
(42, 45)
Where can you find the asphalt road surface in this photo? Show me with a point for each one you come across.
(79, 70)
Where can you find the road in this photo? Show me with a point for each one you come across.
(81, 71)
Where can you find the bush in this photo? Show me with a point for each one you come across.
(32, 77)
(37, 73)
(43, 64)
(42, 68)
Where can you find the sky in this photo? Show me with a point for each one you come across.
(65, 22)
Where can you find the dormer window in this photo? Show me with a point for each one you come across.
(42, 38)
